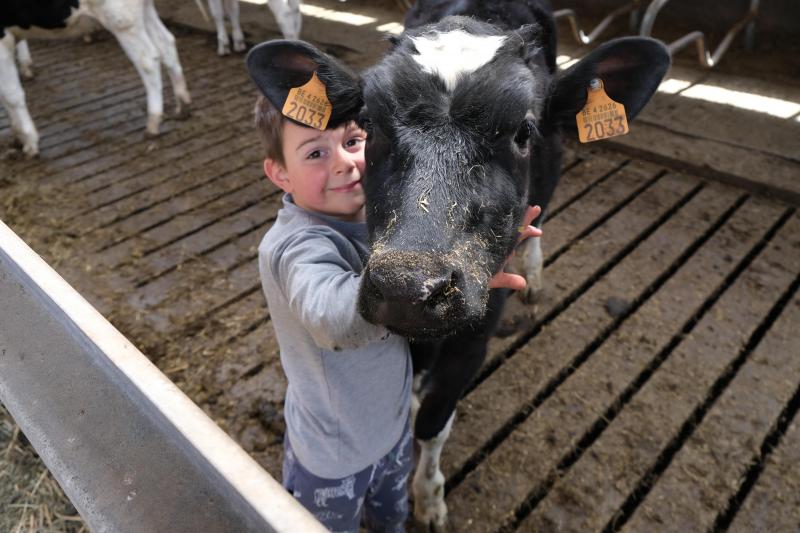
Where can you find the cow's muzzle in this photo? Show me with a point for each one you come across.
(414, 293)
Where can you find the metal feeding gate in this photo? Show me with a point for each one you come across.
(131, 451)
(656, 383)
(706, 58)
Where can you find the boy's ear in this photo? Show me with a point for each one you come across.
(631, 69)
(278, 66)
(276, 173)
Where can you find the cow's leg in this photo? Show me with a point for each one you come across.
(232, 9)
(126, 20)
(12, 97)
(215, 6)
(24, 58)
(453, 368)
(416, 395)
(546, 171)
(144, 55)
(428, 484)
(287, 14)
(296, 17)
(532, 267)
(165, 42)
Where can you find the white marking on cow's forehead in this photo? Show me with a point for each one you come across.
(455, 53)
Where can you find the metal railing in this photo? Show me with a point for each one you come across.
(130, 450)
(631, 9)
(706, 58)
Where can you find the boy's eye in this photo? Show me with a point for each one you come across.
(316, 154)
(355, 141)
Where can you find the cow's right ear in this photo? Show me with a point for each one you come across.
(280, 65)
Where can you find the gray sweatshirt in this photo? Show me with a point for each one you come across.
(350, 381)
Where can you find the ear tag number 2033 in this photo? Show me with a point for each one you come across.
(601, 117)
(309, 104)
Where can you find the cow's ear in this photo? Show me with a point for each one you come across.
(631, 69)
(280, 65)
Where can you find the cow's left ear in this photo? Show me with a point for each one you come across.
(280, 65)
(631, 69)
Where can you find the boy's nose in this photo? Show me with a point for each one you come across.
(343, 162)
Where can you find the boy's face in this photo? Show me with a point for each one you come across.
(323, 169)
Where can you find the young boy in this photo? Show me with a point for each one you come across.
(348, 445)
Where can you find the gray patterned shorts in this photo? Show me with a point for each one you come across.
(379, 492)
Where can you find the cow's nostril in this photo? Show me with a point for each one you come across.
(434, 288)
(443, 290)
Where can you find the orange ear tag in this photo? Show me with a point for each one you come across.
(309, 104)
(601, 117)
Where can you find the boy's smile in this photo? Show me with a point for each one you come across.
(322, 170)
(350, 187)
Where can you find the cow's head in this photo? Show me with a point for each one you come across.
(456, 114)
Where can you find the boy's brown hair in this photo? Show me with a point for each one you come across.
(269, 123)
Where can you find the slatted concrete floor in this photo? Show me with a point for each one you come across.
(654, 387)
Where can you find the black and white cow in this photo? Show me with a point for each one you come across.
(286, 12)
(465, 121)
(134, 23)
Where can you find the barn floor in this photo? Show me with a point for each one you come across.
(655, 386)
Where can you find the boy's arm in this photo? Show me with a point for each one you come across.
(322, 292)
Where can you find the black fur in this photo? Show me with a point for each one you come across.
(49, 14)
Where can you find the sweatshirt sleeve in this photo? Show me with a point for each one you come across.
(322, 291)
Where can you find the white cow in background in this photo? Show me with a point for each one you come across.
(135, 24)
(286, 12)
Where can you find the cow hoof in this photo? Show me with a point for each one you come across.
(30, 152)
(19, 153)
(431, 517)
(426, 526)
(26, 72)
(420, 527)
(223, 49)
(239, 46)
(20, 149)
(530, 295)
(153, 125)
(183, 110)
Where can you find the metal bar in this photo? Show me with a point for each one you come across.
(631, 7)
(130, 450)
(706, 58)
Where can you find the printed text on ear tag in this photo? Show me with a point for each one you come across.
(601, 117)
(309, 104)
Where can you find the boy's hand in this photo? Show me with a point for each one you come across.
(507, 280)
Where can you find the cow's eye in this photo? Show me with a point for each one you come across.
(525, 131)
